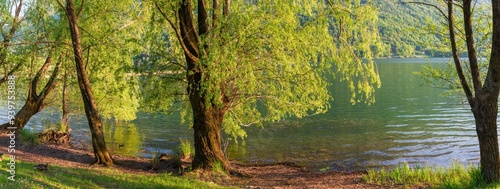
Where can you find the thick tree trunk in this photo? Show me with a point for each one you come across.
(486, 128)
(486, 111)
(98, 143)
(29, 109)
(35, 102)
(207, 124)
(207, 128)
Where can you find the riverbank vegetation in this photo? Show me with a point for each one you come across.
(454, 177)
(71, 177)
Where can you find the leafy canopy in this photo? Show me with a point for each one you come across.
(270, 60)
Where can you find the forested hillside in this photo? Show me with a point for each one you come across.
(403, 30)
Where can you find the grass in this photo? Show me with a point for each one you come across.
(185, 148)
(155, 161)
(456, 176)
(64, 177)
(28, 137)
(218, 169)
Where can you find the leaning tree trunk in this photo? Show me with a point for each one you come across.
(35, 102)
(98, 143)
(30, 108)
(65, 109)
(486, 128)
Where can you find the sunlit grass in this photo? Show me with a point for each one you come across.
(63, 177)
(456, 176)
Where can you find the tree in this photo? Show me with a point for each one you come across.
(35, 101)
(96, 128)
(14, 21)
(481, 90)
(28, 41)
(103, 55)
(247, 62)
(40, 32)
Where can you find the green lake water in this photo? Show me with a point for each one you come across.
(410, 122)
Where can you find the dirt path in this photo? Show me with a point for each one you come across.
(291, 176)
(257, 176)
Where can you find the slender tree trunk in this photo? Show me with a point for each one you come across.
(65, 110)
(98, 143)
(207, 123)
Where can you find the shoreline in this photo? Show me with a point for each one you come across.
(281, 175)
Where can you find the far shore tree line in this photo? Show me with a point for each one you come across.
(225, 64)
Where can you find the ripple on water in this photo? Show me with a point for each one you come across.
(397, 125)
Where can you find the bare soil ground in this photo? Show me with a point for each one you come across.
(282, 175)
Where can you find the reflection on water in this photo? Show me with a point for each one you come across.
(409, 122)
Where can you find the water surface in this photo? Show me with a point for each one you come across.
(409, 122)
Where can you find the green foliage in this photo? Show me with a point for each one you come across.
(110, 40)
(447, 77)
(456, 176)
(155, 161)
(186, 149)
(441, 78)
(269, 61)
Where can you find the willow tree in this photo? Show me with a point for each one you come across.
(39, 37)
(30, 49)
(102, 53)
(247, 62)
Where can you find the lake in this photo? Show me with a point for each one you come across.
(410, 122)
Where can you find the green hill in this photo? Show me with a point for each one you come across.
(403, 29)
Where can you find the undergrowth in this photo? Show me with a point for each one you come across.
(456, 176)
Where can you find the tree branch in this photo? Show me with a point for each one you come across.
(428, 4)
(49, 86)
(177, 32)
(456, 58)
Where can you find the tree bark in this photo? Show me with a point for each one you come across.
(101, 153)
(65, 110)
(207, 116)
(35, 102)
(5, 43)
(486, 110)
(207, 123)
(207, 128)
